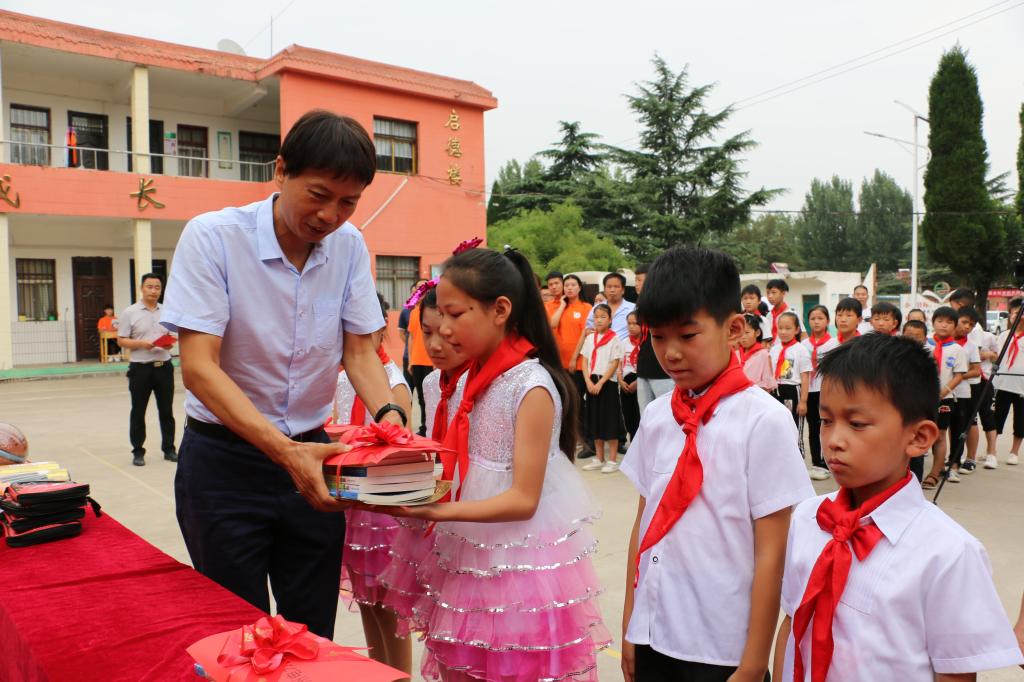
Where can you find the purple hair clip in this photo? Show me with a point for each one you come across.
(420, 292)
(467, 245)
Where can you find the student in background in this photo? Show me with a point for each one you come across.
(885, 318)
(951, 364)
(792, 365)
(916, 330)
(919, 315)
(108, 323)
(750, 299)
(602, 353)
(628, 379)
(818, 343)
(848, 318)
(777, 290)
(1010, 386)
(754, 357)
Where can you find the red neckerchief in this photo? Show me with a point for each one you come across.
(746, 355)
(1014, 348)
(448, 383)
(358, 414)
(828, 577)
(776, 311)
(509, 353)
(688, 475)
(634, 354)
(603, 341)
(782, 356)
(940, 342)
(815, 343)
(844, 340)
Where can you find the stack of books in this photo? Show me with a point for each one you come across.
(32, 472)
(387, 465)
(39, 512)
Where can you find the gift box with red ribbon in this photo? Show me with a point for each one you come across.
(387, 464)
(275, 649)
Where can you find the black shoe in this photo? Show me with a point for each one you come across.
(171, 455)
(139, 460)
(584, 454)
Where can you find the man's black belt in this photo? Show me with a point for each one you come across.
(221, 432)
(154, 363)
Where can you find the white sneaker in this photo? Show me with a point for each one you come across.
(1012, 459)
(610, 467)
(593, 465)
(953, 477)
(991, 462)
(820, 474)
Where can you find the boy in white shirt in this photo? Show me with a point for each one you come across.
(718, 469)
(951, 364)
(1010, 386)
(888, 613)
(967, 321)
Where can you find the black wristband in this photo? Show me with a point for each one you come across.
(391, 407)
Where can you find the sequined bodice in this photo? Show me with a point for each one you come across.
(345, 394)
(492, 432)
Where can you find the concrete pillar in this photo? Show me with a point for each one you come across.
(6, 316)
(5, 154)
(140, 120)
(143, 238)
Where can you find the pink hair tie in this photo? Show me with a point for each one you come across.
(420, 292)
(467, 245)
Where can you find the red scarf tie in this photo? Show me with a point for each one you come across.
(815, 343)
(746, 355)
(843, 339)
(1014, 348)
(776, 311)
(940, 341)
(358, 414)
(828, 577)
(634, 354)
(688, 475)
(603, 341)
(782, 356)
(449, 382)
(509, 353)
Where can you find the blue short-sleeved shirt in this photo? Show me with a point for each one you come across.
(281, 329)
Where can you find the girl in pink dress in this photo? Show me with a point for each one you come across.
(510, 593)
(754, 357)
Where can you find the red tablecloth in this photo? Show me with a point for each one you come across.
(106, 605)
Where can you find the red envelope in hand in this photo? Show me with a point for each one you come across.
(374, 444)
(165, 341)
(275, 649)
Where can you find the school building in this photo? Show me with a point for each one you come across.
(810, 288)
(89, 201)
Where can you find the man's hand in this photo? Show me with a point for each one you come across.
(628, 661)
(436, 511)
(801, 408)
(304, 463)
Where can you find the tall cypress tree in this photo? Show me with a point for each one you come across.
(1020, 167)
(960, 227)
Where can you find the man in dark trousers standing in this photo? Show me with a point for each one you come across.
(150, 370)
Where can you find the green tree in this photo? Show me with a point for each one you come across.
(683, 185)
(884, 224)
(555, 240)
(960, 227)
(767, 239)
(827, 226)
(1020, 167)
(573, 157)
(518, 188)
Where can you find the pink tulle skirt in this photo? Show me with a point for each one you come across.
(402, 588)
(368, 540)
(517, 601)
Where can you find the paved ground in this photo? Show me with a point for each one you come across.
(83, 423)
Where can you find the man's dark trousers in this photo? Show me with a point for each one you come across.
(145, 378)
(243, 521)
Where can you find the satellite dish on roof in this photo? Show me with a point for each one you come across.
(228, 45)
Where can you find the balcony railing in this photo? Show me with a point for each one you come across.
(182, 165)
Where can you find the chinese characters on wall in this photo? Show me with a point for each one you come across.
(454, 148)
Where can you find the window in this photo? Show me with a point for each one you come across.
(396, 145)
(37, 288)
(193, 141)
(257, 148)
(88, 131)
(396, 275)
(30, 125)
(156, 146)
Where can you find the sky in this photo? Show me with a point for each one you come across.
(573, 60)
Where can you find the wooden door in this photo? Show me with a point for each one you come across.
(94, 289)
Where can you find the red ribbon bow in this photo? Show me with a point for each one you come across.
(264, 645)
(377, 433)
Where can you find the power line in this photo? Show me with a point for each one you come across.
(269, 23)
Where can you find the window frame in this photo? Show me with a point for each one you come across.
(22, 126)
(413, 142)
(100, 159)
(389, 270)
(246, 171)
(185, 160)
(23, 296)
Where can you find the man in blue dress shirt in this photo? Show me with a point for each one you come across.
(268, 299)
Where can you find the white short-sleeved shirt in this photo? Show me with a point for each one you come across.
(692, 601)
(142, 324)
(1003, 382)
(796, 363)
(606, 354)
(627, 366)
(832, 343)
(345, 393)
(973, 358)
(281, 329)
(991, 345)
(899, 617)
(954, 361)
